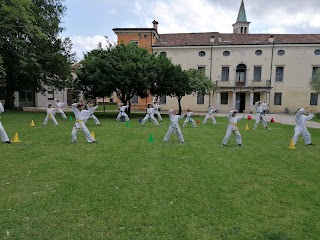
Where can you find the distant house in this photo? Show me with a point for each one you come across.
(245, 67)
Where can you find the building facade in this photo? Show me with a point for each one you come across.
(245, 67)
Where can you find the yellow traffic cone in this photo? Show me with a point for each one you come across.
(16, 138)
(291, 146)
(32, 124)
(247, 127)
(92, 133)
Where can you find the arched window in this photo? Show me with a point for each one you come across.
(241, 75)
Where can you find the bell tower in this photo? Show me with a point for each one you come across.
(242, 25)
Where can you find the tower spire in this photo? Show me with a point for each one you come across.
(242, 25)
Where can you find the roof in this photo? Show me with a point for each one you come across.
(242, 13)
(133, 29)
(206, 39)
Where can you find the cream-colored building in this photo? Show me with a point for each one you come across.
(245, 67)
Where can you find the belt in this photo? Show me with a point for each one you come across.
(80, 123)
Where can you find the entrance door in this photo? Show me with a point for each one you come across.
(241, 102)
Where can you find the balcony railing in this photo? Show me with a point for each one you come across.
(250, 84)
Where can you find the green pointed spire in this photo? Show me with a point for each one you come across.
(242, 13)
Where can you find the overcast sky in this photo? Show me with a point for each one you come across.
(88, 21)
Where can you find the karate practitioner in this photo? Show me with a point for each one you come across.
(59, 106)
(92, 109)
(150, 115)
(51, 112)
(122, 112)
(233, 128)
(4, 136)
(157, 106)
(189, 119)
(301, 128)
(260, 116)
(174, 126)
(264, 106)
(210, 115)
(81, 116)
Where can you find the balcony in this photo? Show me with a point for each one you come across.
(248, 84)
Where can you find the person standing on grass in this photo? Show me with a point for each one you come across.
(174, 126)
(233, 128)
(122, 112)
(260, 116)
(264, 106)
(4, 136)
(210, 115)
(51, 112)
(59, 106)
(189, 119)
(81, 117)
(92, 109)
(157, 106)
(301, 128)
(150, 115)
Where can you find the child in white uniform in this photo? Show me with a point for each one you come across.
(174, 126)
(59, 106)
(210, 115)
(149, 115)
(4, 136)
(156, 106)
(301, 128)
(81, 117)
(51, 112)
(189, 119)
(92, 109)
(233, 128)
(122, 112)
(260, 116)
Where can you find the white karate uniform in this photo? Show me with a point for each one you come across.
(233, 128)
(122, 113)
(210, 115)
(59, 106)
(51, 112)
(259, 117)
(157, 112)
(264, 106)
(174, 127)
(149, 115)
(4, 136)
(189, 120)
(81, 117)
(301, 128)
(92, 110)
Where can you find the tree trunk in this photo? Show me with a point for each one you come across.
(9, 98)
(179, 103)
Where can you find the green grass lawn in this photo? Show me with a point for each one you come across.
(127, 188)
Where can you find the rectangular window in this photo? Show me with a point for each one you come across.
(279, 74)
(314, 99)
(225, 74)
(257, 74)
(200, 98)
(314, 69)
(277, 98)
(202, 68)
(50, 94)
(163, 99)
(224, 98)
(135, 42)
(256, 97)
(134, 99)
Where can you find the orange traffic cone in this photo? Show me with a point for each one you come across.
(32, 124)
(16, 138)
(247, 127)
(198, 121)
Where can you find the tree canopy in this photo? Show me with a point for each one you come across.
(33, 54)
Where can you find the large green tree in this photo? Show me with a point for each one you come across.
(34, 56)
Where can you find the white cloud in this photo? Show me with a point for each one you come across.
(83, 44)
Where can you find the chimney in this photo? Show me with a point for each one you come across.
(155, 24)
(212, 39)
(271, 38)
